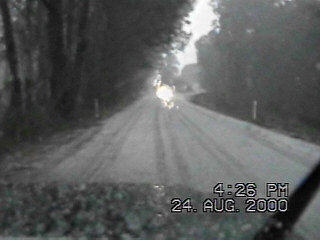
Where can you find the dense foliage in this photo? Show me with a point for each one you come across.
(69, 55)
(121, 211)
(266, 51)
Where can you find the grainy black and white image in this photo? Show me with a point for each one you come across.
(160, 119)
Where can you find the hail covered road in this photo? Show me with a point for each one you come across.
(186, 145)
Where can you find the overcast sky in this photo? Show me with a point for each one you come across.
(201, 23)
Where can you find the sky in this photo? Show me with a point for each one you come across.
(201, 23)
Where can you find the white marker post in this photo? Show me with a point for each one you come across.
(96, 108)
(254, 110)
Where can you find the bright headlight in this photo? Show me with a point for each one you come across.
(165, 93)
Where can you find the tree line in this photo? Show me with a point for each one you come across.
(63, 55)
(264, 51)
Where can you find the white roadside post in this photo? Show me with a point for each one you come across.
(96, 108)
(254, 110)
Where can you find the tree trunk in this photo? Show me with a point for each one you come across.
(56, 54)
(65, 80)
(11, 51)
(81, 46)
(29, 76)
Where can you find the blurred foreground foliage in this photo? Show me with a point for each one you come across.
(122, 211)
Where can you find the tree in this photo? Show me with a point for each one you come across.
(72, 53)
(11, 50)
(170, 69)
(264, 51)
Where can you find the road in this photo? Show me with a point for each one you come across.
(187, 145)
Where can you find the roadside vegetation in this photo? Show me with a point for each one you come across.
(265, 52)
(121, 211)
(63, 60)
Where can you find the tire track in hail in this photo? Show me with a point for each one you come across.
(268, 144)
(227, 165)
(116, 145)
(182, 167)
(60, 155)
(297, 158)
(196, 108)
(103, 144)
(74, 163)
(160, 149)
